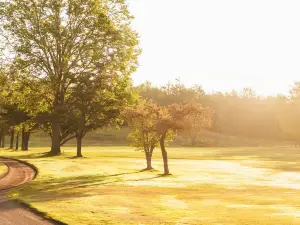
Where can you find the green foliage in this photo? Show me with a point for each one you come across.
(96, 103)
(171, 93)
(59, 46)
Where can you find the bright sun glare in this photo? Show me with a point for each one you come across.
(221, 45)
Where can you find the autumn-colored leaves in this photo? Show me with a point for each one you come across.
(152, 125)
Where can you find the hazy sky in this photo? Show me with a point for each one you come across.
(219, 44)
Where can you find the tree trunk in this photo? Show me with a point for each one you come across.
(149, 160)
(17, 141)
(25, 140)
(12, 137)
(3, 141)
(164, 154)
(55, 139)
(79, 144)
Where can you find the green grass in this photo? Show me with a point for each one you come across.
(225, 186)
(3, 169)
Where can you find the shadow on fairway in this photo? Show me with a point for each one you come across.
(37, 155)
(65, 188)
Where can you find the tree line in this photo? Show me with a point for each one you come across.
(243, 114)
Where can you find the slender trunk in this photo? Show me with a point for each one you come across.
(149, 160)
(55, 147)
(79, 144)
(25, 141)
(12, 137)
(80, 134)
(3, 141)
(23, 138)
(164, 154)
(17, 141)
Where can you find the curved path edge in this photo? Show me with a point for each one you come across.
(15, 212)
(5, 173)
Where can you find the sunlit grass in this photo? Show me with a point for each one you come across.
(207, 186)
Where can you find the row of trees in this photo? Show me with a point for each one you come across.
(65, 67)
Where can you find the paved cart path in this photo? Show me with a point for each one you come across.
(11, 212)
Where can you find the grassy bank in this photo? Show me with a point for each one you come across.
(208, 186)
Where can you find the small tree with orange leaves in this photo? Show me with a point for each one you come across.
(173, 119)
(151, 125)
(142, 123)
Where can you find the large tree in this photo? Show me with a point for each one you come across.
(60, 41)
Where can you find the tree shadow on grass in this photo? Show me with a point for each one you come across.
(77, 157)
(40, 155)
(8, 149)
(37, 155)
(73, 187)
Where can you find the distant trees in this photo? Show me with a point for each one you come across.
(288, 113)
(243, 114)
(172, 93)
(56, 44)
(197, 120)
